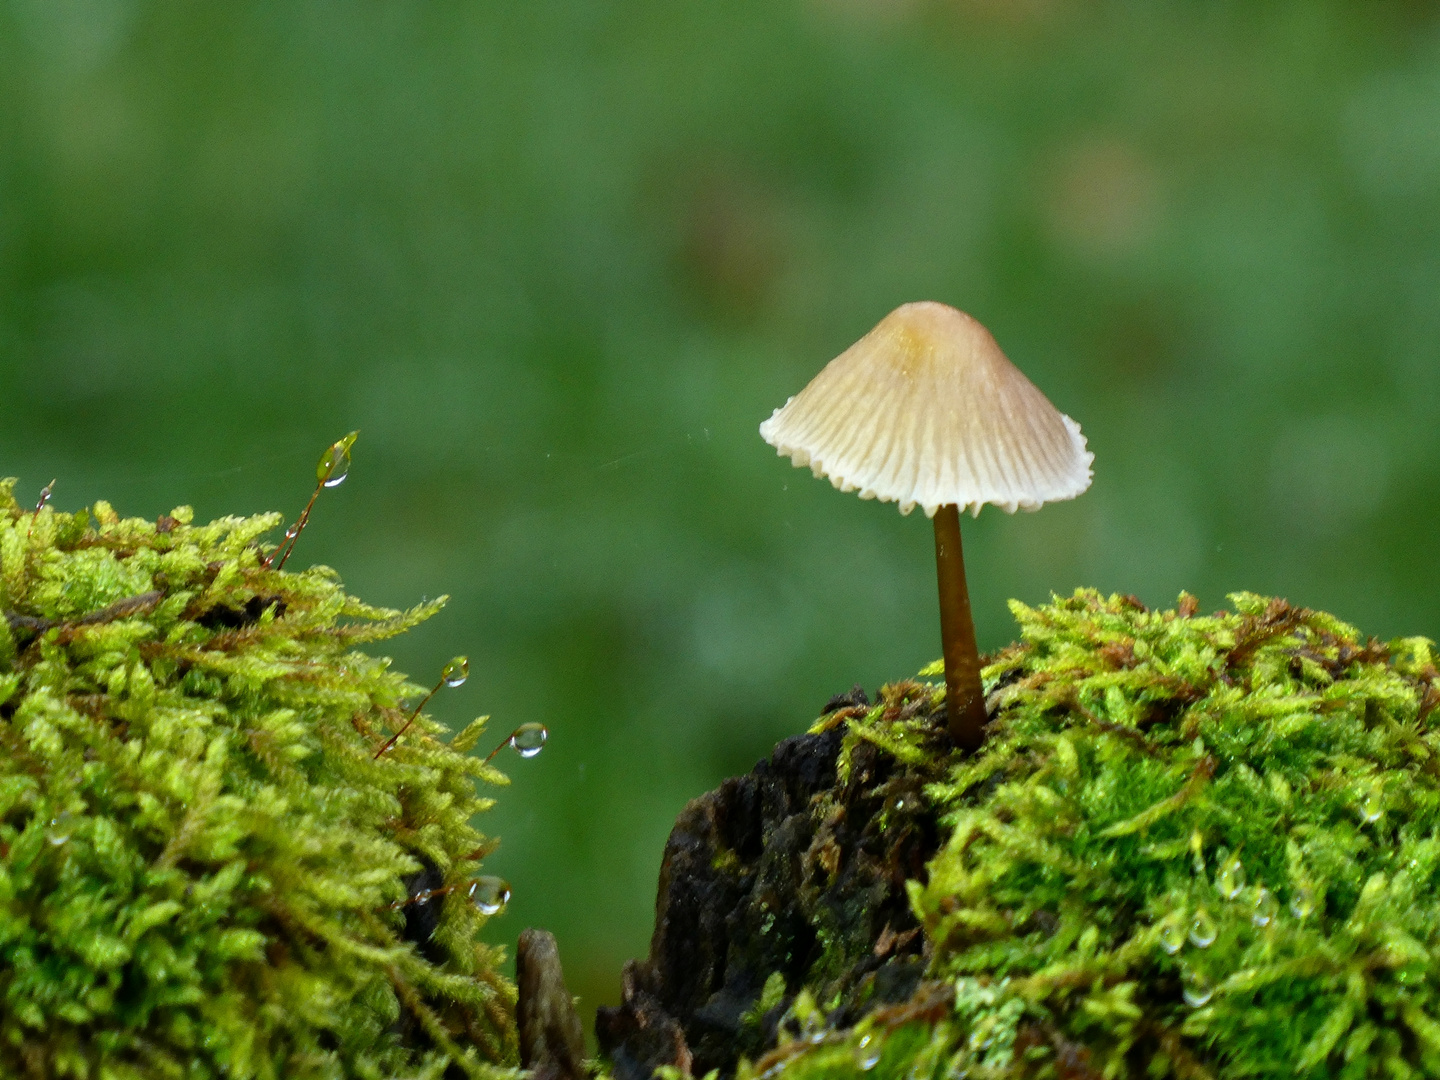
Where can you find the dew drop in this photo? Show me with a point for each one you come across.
(814, 1028)
(1302, 903)
(489, 894)
(1373, 805)
(456, 671)
(867, 1052)
(1231, 879)
(1172, 936)
(1202, 930)
(339, 472)
(529, 739)
(335, 462)
(898, 804)
(62, 825)
(1265, 907)
(1198, 989)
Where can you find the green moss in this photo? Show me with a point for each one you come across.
(1192, 846)
(199, 848)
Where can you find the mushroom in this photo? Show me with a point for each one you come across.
(925, 409)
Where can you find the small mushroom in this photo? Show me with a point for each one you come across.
(926, 410)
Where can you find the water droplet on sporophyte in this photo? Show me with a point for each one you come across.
(335, 462)
(1202, 930)
(1198, 989)
(1373, 805)
(1302, 903)
(899, 803)
(339, 470)
(867, 1052)
(456, 671)
(529, 739)
(1172, 936)
(292, 532)
(61, 827)
(489, 894)
(1265, 906)
(1231, 879)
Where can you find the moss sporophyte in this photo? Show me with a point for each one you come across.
(208, 866)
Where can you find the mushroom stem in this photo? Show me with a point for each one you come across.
(964, 696)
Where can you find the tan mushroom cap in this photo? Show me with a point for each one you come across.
(926, 409)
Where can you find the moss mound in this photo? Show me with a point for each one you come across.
(1191, 847)
(199, 848)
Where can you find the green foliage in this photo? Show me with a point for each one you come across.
(569, 254)
(199, 848)
(1191, 847)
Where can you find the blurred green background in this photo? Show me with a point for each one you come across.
(557, 260)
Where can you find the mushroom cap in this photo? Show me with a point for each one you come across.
(926, 409)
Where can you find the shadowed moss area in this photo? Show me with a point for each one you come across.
(1192, 846)
(203, 858)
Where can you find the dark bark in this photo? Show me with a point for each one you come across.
(781, 870)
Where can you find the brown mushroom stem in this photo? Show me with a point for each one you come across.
(964, 696)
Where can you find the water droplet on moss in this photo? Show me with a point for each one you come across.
(456, 671)
(529, 739)
(489, 894)
(1172, 936)
(1231, 879)
(867, 1052)
(1198, 989)
(1202, 930)
(61, 828)
(1265, 906)
(1302, 903)
(1373, 805)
